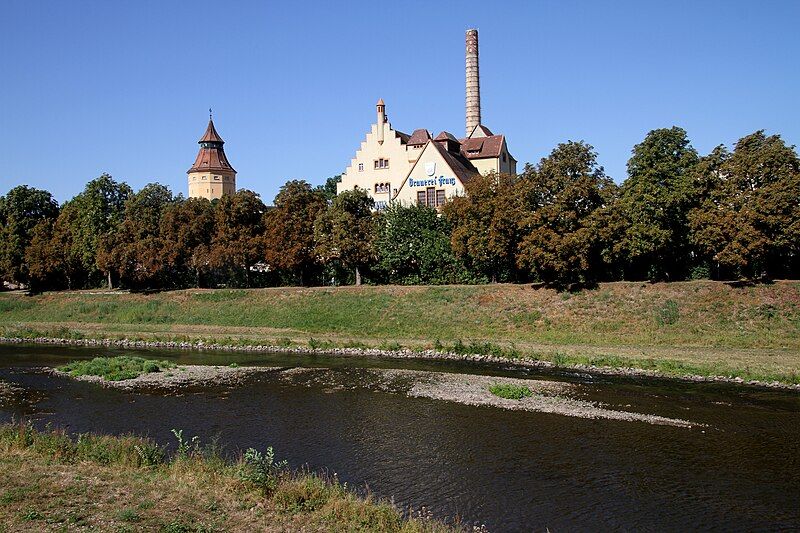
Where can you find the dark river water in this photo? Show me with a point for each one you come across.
(509, 470)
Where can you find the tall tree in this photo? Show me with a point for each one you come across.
(21, 209)
(237, 244)
(564, 195)
(186, 231)
(654, 203)
(289, 238)
(135, 250)
(749, 223)
(94, 214)
(346, 231)
(485, 224)
(413, 246)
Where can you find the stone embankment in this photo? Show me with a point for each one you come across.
(389, 354)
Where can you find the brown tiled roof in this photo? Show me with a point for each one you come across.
(211, 158)
(482, 128)
(402, 136)
(211, 134)
(481, 147)
(446, 136)
(459, 164)
(420, 136)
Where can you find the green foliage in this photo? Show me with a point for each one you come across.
(509, 391)
(485, 225)
(289, 242)
(187, 448)
(749, 221)
(115, 368)
(413, 247)
(653, 207)
(261, 469)
(328, 190)
(564, 217)
(21, 209)
(346, 231)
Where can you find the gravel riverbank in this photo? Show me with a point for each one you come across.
(469, 389)
(389, 354)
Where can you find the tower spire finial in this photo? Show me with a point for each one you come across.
(209, 114)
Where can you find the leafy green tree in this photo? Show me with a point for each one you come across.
(749, 221)
(94, 214)
(413, 246)
(328, 190)
(21, 209)
(654, 203)
(289, 238)
(237, 244)
(346, 231)
(485, 224)
(563, 198)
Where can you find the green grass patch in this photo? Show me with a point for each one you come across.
(115, 368)
(510, 392)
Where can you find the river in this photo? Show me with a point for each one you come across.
(738, 468)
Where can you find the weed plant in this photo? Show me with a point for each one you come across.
(509, 391)
(115, 368)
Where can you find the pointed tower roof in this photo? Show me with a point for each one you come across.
(211, 156)
(211, 134)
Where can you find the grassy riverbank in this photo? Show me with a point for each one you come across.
(54, 482)
(701, 327)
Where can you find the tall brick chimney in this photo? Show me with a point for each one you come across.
(473, 82)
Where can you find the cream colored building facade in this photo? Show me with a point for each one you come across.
(393, 166)
(211, 175)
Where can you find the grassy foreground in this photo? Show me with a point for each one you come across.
(54, 482)
(698, 327)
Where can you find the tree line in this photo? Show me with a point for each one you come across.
(731, 214)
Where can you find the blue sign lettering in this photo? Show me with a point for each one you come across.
(441, 181)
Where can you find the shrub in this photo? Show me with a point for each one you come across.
(509, 391)
(115, 368)
(261, 469)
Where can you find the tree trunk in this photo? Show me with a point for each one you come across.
(110, 285)
(358, 277)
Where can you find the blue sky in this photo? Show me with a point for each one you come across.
(124, 88)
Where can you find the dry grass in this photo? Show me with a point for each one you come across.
(44, 489)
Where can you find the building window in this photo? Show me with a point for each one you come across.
(381, 163)
(381, 188)
(431, 197)
(504, 157)
(361, 167)
(216, 178)
(204, 178)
